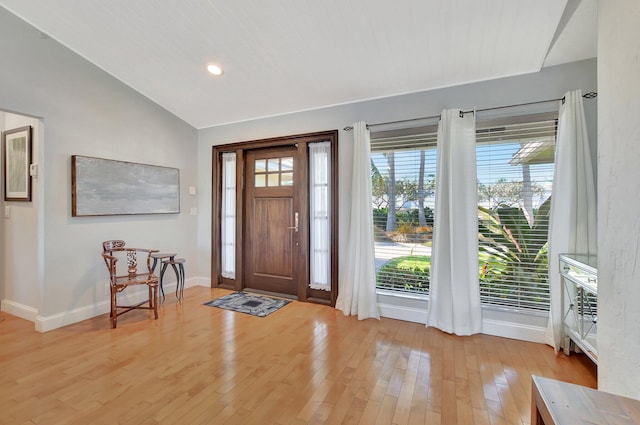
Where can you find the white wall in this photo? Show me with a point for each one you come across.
(618, 202)
(21, 281)
(87, 112)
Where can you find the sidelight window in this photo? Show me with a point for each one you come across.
(228, 216)
(319, 217)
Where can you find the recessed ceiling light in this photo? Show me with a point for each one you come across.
(214, 69)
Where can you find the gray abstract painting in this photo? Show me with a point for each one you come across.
(108, 187)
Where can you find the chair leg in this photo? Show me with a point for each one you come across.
(114, 310)
(155, 302)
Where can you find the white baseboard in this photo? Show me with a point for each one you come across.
(55, 321)
(415, 311)
(515, 331)
(49, 323)
(495, 327)
(19, 310)
(197, 281)
(408, 314)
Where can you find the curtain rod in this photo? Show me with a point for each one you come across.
(589, 95)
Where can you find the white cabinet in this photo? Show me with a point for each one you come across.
(580, 303)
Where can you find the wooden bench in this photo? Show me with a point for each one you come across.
(559, 403)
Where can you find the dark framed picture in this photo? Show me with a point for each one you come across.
(16, 145)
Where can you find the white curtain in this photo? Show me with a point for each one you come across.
(454, 293)
(228, 216)
(357, 291)
(319, 206)
(572, 221)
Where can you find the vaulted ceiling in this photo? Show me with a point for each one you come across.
(283, 56)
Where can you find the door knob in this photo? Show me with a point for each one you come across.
(296, 220)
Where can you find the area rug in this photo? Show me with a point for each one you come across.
(255, 305)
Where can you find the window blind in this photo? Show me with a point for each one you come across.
(403, 207)
(515, 175)
(515, 171)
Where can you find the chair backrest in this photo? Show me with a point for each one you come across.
(117, 251)
(121, 260)
(113, 244)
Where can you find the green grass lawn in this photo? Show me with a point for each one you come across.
(410, 262)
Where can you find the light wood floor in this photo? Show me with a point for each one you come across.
(303, 364)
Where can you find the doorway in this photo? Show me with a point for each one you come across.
(21, 231)
(273, 231)
(272, 223)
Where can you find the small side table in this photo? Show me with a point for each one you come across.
(178, 267)
(159, 256)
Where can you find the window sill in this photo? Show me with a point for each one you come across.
(400, 294)
(419, 297)
(509, 323)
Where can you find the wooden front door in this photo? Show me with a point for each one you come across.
(275, 238)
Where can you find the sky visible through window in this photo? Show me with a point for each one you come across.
(493, 164)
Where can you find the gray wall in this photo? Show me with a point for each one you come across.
(87, 112)
(550, 83)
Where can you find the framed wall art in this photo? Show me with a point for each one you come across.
(16, 145)
(108, 187)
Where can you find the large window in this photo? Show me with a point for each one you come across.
(515, 172)
(403, 167)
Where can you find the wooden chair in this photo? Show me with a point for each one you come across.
(126, 273)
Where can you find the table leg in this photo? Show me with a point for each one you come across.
(162, 270)
(180, 282)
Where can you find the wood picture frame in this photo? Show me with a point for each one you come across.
(109, 187)
(17, 151)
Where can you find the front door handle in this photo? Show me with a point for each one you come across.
(296, 220)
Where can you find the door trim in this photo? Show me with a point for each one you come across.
(305, 293)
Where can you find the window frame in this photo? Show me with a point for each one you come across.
(383, 139)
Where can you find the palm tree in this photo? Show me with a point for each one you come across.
(527, 193)
(422, 220)
(513, 253)
(378, 186)
(392, 222)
